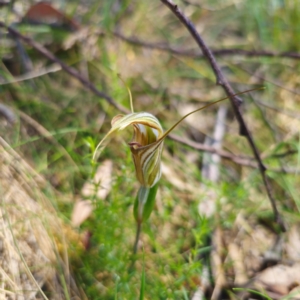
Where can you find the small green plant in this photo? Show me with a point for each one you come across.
(146, 148)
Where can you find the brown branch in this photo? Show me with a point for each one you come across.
(256, 53)
(159, 46)
(238, 159)
(235, 101)
(192, 53)
(241, 160)
(73, 72)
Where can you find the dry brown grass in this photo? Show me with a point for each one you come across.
(30, 236)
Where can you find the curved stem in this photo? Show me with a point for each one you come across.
(135, 246)
(137, 237)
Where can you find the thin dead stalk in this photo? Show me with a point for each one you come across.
(70, 70)
(235, 102)
(246, 161)
(192, 53)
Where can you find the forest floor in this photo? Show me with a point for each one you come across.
(226, 221)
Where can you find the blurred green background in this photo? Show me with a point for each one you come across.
(58, 123)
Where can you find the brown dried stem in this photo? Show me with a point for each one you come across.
(192, 53)
(73, 72)
(246, 161)
(235, 101)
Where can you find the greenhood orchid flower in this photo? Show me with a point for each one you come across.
(146, 145)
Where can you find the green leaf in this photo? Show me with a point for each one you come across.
(144, 203)
(149, 205)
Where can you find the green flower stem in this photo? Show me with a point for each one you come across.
(135, 246)
(143, 206)
(137, 237)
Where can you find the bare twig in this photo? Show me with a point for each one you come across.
(246, 161)
(41, 49)
(159, 46)
(32, 74)
(192, 53)
(256, 53)
(235, 101)
(241, 160)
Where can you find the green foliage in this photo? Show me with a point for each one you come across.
(148, 204)
(70, 121)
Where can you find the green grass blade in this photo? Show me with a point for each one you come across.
(253, 292)
(143, 281)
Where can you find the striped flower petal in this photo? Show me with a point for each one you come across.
(146, 145)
